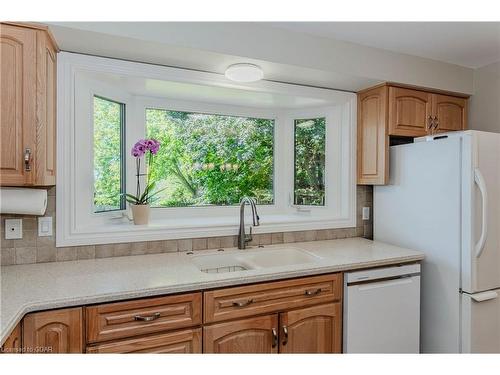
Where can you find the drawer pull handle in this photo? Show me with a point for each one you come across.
(314, 293)
(275, 337)
(148, 318)
(243, 304)
(285, 335)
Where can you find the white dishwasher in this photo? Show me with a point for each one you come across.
(382, 310)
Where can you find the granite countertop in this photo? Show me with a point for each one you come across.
(34, 287)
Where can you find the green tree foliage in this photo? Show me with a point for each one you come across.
(107, 163)
(211, 159)
(310, 161)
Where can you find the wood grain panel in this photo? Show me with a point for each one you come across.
(118, 320)
(373, 139)
(451, 113)
(409, 112)
(55, 331)
(253, 335)
(178, 342)
(316, 329)
(18, 92)
(13, 344)
(232, 303)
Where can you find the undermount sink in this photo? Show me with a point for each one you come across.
(242, 260)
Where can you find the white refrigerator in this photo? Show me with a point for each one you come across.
(444, 199)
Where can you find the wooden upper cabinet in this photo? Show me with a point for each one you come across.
(253, 335)
(393, 110)
(450, 113)
(56, 331)
(373, 140)
(28, 106)
(409, 112)
(316, 329)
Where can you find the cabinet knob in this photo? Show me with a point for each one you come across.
(275, 337)
(27, 159)
(285, 335)
(312, 293)
(243, 304)
(147, 318)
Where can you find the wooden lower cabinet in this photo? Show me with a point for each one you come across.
(55, 331)
(302, 315)
(316, 329)
(180, 342)
(13, 343)
(253, 335)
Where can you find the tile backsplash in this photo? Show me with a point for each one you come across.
(34, 249)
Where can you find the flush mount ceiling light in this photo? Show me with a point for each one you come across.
(244, 73)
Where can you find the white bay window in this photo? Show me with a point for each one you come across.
(290, 147)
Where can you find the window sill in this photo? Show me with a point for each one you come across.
(123, 230)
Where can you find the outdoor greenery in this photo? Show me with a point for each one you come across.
(107, 155)
(310, 162)
(207, 159)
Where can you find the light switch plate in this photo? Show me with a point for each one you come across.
(45, 226)
(366, 213)
(13, 229)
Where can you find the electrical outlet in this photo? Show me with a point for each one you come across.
(13, 229)
(45, 226)
(366, 213)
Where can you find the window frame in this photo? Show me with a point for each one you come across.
(123, 163)
(76, 226)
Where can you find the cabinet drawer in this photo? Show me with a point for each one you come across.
(125, 319)
(186, 341)
(230, 303)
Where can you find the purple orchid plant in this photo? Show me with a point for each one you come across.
(147, 148)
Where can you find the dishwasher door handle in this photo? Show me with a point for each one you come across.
(385, 283)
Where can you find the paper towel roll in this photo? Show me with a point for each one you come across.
(23, 201)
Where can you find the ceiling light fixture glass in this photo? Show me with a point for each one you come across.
(244, 72)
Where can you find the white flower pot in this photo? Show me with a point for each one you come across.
(140, 212)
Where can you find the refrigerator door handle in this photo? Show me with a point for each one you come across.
(484, 296)
(479, 179)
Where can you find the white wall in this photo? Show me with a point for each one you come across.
(284, 55)
(485, 103)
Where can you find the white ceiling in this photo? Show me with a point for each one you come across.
(469, 44)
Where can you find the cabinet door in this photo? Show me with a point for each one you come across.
(253, 335)
(373, 140)
(314, 329)
(57, 331)
(18, 93)
(45, 157)
(451, 113)
(178, 342)
(13, 342)
(409, 112)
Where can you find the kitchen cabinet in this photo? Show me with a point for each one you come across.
(394, 111)
(316, 329)
(300, 315)
(28, 108)
(54, 331)
(257, 335)
(410, 112)
(177, 342)
(13, 343)
(373, 138)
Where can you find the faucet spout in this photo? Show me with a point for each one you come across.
(243, 238)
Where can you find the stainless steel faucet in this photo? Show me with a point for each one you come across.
(243, 238)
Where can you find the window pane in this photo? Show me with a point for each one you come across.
(209, 159)
(108, 155)
(310, 162)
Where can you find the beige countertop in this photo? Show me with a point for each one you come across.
(34, 287)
